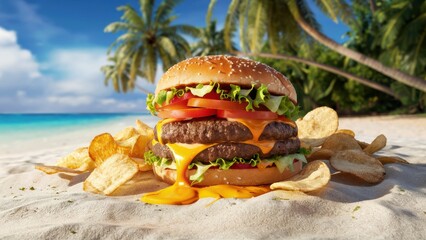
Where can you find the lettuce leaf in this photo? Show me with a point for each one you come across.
(254, 98)
(282, 163)
(200, 90)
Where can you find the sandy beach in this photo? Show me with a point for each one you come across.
(34, 205)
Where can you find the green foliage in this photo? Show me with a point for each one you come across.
(210, 40)
(394, 35)
(148, 37)
(316, 87)
(403, 35)
(259, 20)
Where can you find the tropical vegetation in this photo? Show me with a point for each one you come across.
(380, 68)
(149, 37)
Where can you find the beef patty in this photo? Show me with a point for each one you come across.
(216, 130)
(230, 150)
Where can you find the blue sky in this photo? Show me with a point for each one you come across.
(51, 52)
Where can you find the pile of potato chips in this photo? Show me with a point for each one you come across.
(112, 160)
(318, 132)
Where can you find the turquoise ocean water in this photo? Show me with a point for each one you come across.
(18, 126)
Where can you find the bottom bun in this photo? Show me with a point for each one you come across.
(239, 177)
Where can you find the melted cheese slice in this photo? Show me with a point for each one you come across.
(181, 192)
(159, 127)
(256, 127)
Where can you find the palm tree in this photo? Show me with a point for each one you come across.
(282, 20)
(328, 68)
(210, 41)
(121, 82)
(403, 35)
(148, 38)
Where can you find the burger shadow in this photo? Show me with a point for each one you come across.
(399, 178)
(142, 182)
(74, 179)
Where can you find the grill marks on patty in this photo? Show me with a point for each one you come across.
(229, 136)
(213, 130)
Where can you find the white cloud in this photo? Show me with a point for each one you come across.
(71, 81)
(18, 68)
(7, 37)
(79, 70)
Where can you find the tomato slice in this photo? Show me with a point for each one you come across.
(241, 166)
(176, 105)
(261, 115)
(186, 113)
(216, 104)
(184, 97)
(212, 95)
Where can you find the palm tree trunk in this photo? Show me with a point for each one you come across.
(376, 65)
(143, 89)
(325, 67)
(373, 6)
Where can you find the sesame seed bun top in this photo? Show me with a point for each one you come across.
(226, 70)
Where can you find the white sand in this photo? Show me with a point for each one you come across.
(59, 209)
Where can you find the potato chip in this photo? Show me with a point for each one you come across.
(346, 131)
(317, 125)
(362, 144)
(144, 129)
(360, 164)
(56, 169)
(140, 147)
(78, 160)
(340, 141)
(125, 134)
(126, 146)
(134, 147)
(112, 173)
(378, 144)
(386, 160)
(320, 154)
(142, 165)
(102, 147)
(314, 176)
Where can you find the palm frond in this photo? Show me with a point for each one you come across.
(210, 11)
(183, 28)
(230, 22)
(164, 10)
(305, 12)
(131, 16)
(135, 64)
(146, 7)
(328, 8)
(165, 59)
(118, 26)
(150, 64)
(242, 24)
(168, 46)
(257, 31)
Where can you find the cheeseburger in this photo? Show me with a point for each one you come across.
(225, 120)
